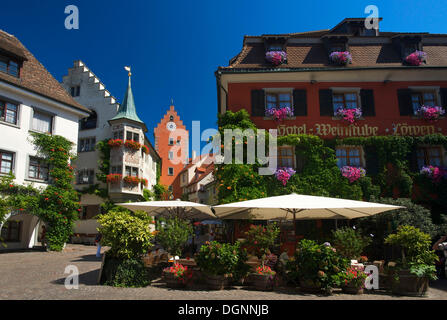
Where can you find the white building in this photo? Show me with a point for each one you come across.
(31, 100)
(108, 120)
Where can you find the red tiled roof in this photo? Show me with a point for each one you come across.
(313, 54)
(207, 169)
(33, 75)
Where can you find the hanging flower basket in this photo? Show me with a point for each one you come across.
(114, 178)
(276, 57)
(279, 114)
(144, 182)
(131, 144)
(341, 58)
(352, 173)
(434, 173)
(430, 113)
(349, 115)
(115, 143)
(145, 149)
(416, 58)
(284, 174)
(132, 180)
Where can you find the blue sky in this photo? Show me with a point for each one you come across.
(174, 47)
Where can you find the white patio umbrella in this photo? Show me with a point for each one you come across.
(173, 208)
(300, 207)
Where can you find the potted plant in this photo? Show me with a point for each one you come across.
(284, 174)
(430, 113)
(144, 182)
(350, 243)
(352, 280)
(276, 57)
(279, 114)
(131, 144)
(416, 58)
(263, 278)
(218, 262)
(115, 143)
(434, 173)
(173, 233)
(176, 276)
(317, 266)
(350, 115)
(145, 149)
(352, 173)
(131, 180)
(114, 178)
(341, 58)
(417, 263)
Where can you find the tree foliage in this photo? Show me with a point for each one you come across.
(173, 233)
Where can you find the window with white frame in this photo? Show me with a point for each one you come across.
(133, 136)
(423, 98)
(8, 112)
(345, 100)
(349, 156)
(6, 162)
(276, 100)
(170, 171)
(171, 155)
(429, 156)
(42, 122)
(87, 144)
(131, 171)
(38, 169)
(86, 176)
(118, 135)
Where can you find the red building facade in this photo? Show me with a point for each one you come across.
(171, 143)
(379, 78)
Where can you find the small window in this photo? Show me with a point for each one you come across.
(90, 122)
(86, 176)
(278, 100)
(133, 136)
(171, 118)
(429, 156)
(419, 99)
(170, 171)
(131, 171)
(87, 144)
(171, 141)
(118, 135)
(6, 162)
(349, 156)
(116, 169)
(11, 231)
(8, 112)
(42, 122)
(285, 157)
(170, 188)
(38, 169)
(171, 155)
(348, 100)
(9, 66)
(178, 142)
(75, 91)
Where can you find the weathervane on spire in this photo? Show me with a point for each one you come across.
(128, 70)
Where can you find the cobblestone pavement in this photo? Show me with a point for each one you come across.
(40, 275)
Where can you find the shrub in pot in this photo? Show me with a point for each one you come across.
(173, 233)
(352, 280)
(349, 243)
(261, 238)
(263, 278)
(129, 237)
(316, 266)
(417, 263)
(176, 276)
(218, 262)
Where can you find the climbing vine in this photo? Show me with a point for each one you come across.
(57, 205)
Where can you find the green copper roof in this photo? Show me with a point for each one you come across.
(127, 108)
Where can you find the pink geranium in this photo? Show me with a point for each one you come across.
(430, 112)
(279, 114)
(349, 115)
(276, 57)
(284, 174)
(416, 58)
(352, 173)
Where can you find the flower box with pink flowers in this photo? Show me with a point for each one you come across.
(279, 114)
(348, 115)
(352, 173)
(416, 58)
(276, 57)
(430, 113)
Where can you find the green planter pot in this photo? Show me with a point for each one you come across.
(409, 284)
(171, 281)
(261, 282)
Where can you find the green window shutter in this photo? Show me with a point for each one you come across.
(257, 103)
(299, 103)
(372, 160)
(405, 106)
(367, 97)
(443, 92)
(326, 105)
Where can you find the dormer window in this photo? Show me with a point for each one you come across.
(9, 66)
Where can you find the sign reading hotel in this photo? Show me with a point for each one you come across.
(366, 130)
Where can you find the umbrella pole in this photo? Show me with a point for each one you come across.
(294, 230)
